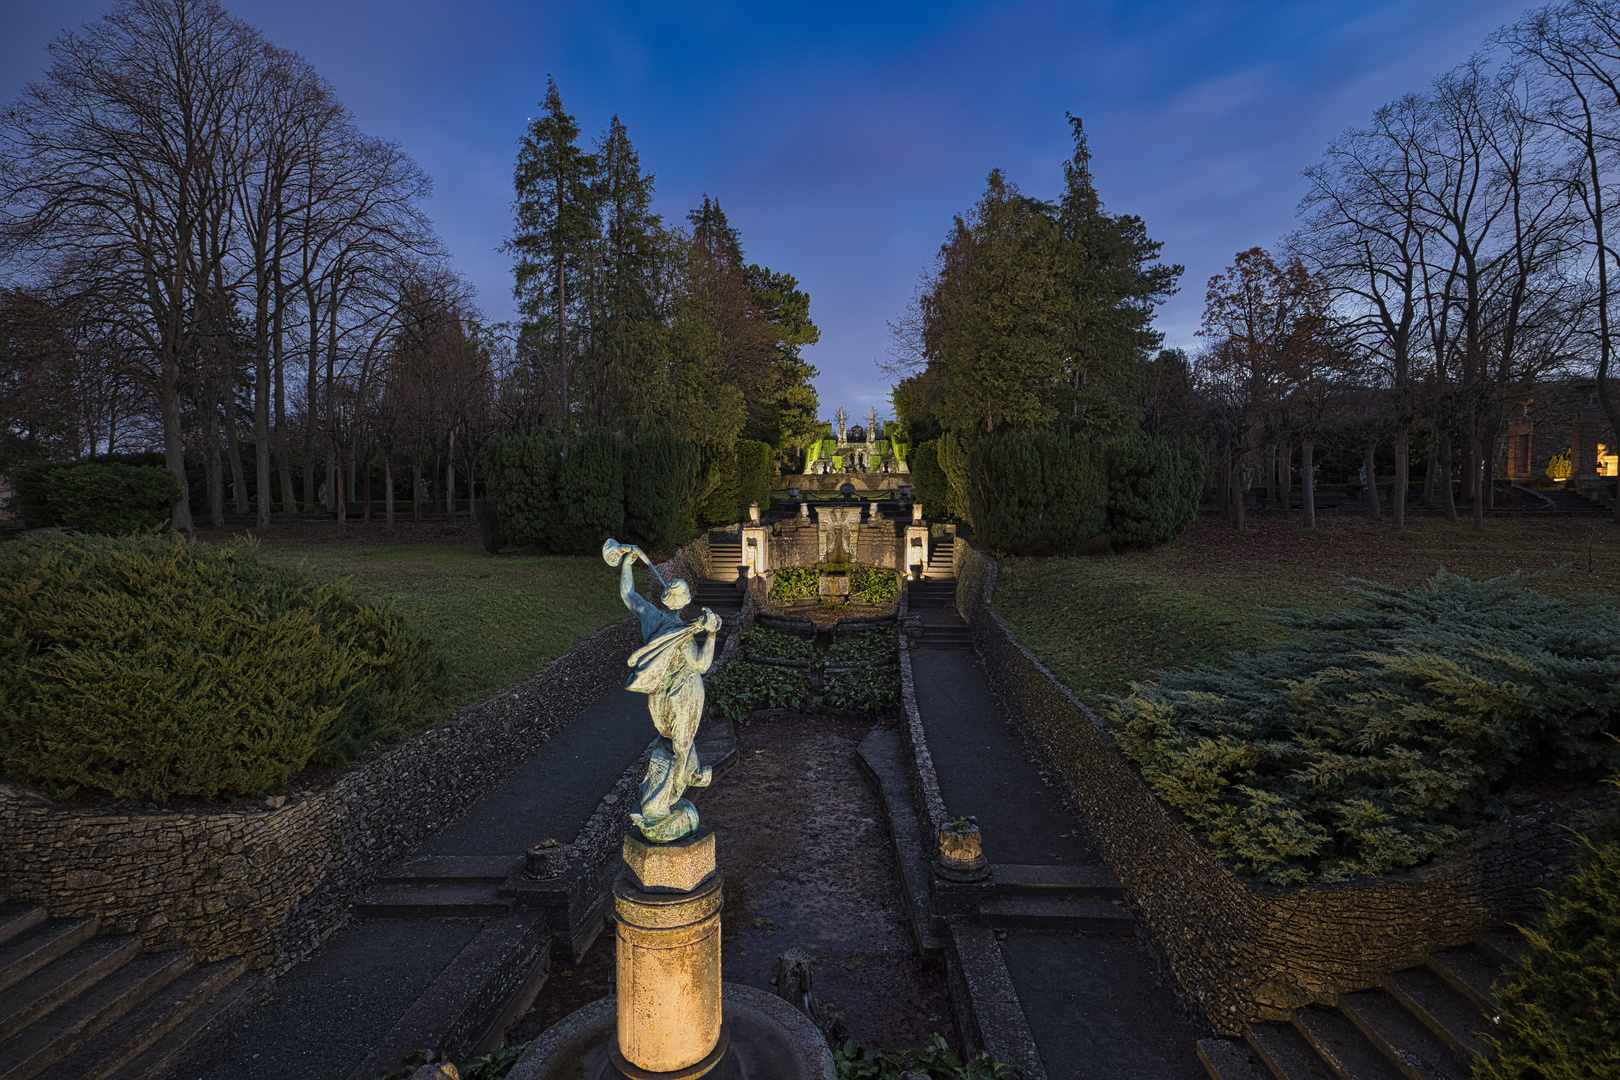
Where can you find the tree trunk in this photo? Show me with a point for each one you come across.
(1429, 470)
(1481, 478)
(416, 488)
(1285, 477)
(367, 513)
(233, 447)
(174, 451)
(450, 482)
(331, 477)
(337, 491)
(388, 493)
(1369, 493)
(1448, 500)
(438, 490)
(472, 487)
(1403, 465)
(1237, 493)
(1271, 476)
(1307, 479)
(1225, 486)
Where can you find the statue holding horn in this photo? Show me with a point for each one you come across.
(669, 669)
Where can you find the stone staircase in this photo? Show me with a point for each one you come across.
(1064, 898)
(441, 887)
(722, 589)
(1423, 1023)
(79, 1005)
(934, 598)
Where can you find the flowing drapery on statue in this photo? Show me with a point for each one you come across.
(669, 669)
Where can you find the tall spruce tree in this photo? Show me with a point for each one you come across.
(1111, 280)
(627, 342)
(558, 221)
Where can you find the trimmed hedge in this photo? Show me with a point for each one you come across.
(590, 494)
(754, 472)
(1153, 489)
(520, 472)
(928, 484)
(1036, 492)
(657, 480)
(144, 667)
(106, 498)
(1385, 731)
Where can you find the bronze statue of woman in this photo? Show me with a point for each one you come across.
(669, 669)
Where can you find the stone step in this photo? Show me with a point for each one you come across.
(1284, 1052)
(19, 918)
(1341, 1046)
(158, 1060)
(63, 979)
(1415, 1051)
(1230, 1059)
(1082, 914)
(124, 1040)
(1440, 1008)
(54, 1036)
(1014, 881)
(451, 870)
(33, 949)
(1469, 973)
(431, 901)
(1501, 947)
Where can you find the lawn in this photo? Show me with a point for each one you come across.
(1102, 621)
(495, 619)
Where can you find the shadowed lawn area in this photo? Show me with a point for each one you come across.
(494, 619)
(1102, 621)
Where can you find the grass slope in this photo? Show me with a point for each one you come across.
(495, 620)
(1102, 621)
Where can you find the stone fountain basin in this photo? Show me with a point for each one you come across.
(770, 1040)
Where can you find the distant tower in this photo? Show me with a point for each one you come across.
(871, 426)
(841, 419)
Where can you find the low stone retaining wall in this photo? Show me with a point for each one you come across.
(1241, 949)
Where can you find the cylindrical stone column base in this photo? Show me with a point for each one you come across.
(668, 976)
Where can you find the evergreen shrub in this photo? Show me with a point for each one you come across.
(1153, 488)
(928, 481)
(719, 504)
(590, 494)
(658, 472)
(1373, 741)
(1076, 490)
(872, 646)
(753, 476)
(1005, 493)
(520, 473)
(794, 583)
(766, 642)
(109, 498)
(740, 688)
(1559, 1006)
(872, 584)
(874, 688)
(144, 667)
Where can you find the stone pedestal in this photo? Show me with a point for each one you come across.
(667, 905)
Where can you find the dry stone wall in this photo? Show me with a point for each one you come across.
(1241, 949)
(270, 884)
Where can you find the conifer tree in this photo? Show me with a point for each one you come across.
(625, 349)
(558, 220)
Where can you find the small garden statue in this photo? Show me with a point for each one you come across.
(669, 669)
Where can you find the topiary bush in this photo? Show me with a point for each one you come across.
(753, 476)
(1153, 488)
(928, 481)
(1006, 495)
(658, 471)
(590, 494)
(520, 472)
(1387, 729)
(106, 498)
(1559, 1006)
(1076, 490)
(144, 667)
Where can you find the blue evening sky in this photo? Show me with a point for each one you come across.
(841, 138)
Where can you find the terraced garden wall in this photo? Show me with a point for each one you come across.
(1240, 949)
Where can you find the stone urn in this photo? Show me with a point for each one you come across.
(545, 860)
(961, 851)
